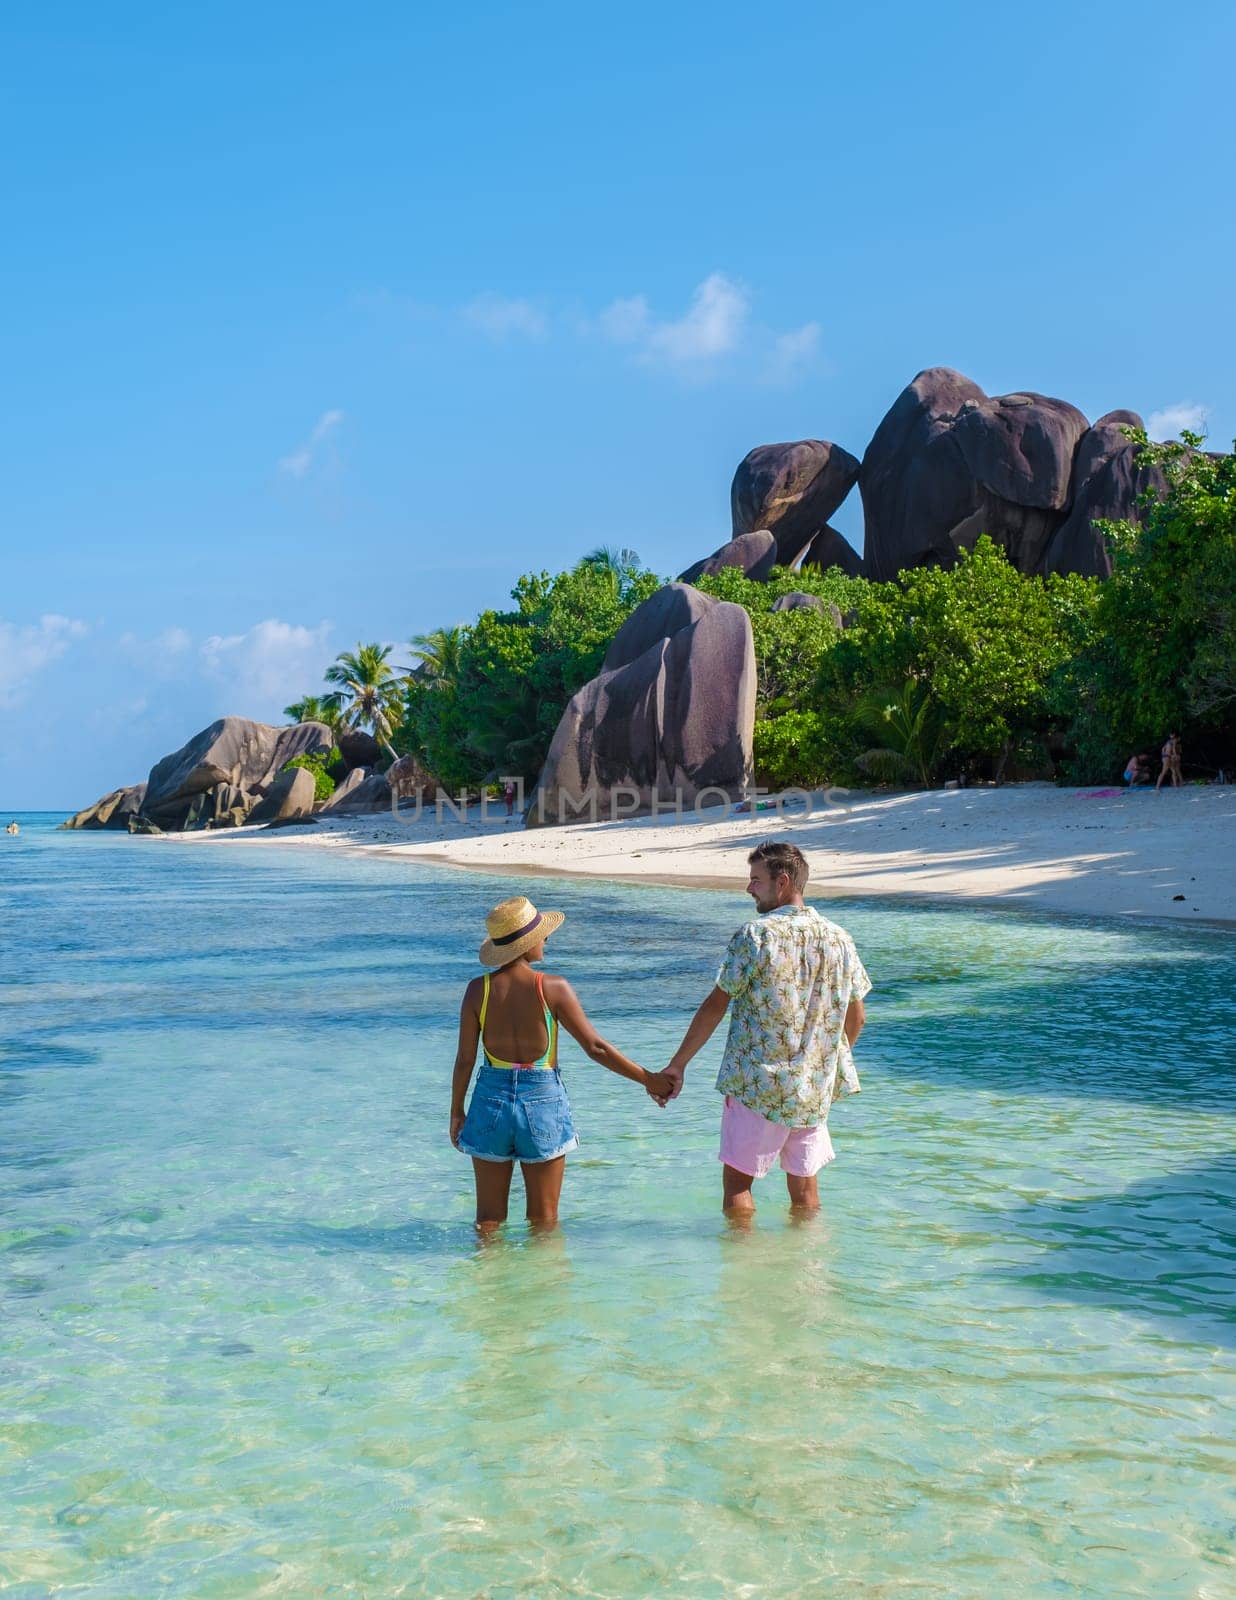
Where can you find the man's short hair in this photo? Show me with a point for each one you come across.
(781, 857)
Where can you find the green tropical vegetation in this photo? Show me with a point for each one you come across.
(1160, 655)
(366, 691)
(325, 765)
(315, 708)
(976, 671)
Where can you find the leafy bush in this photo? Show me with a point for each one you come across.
(907, 733)
(796, 750)
(989, 642)
(317, 762)
(1161, 655)
(513, 672)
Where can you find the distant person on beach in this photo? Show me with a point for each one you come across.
(508, 794)
(1138, 771)
(1172, 754)
(797, 987)
(519, 1109)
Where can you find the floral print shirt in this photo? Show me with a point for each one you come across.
(791, 975)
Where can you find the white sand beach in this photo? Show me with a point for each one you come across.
(1079, 851)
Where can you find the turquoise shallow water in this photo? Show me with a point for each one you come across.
(249, 1345)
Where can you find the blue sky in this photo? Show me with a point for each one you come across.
(323, 325)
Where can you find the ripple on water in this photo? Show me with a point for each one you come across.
(250, 1346)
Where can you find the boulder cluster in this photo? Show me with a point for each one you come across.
(670, 715)
(947, 464)
(232, 775)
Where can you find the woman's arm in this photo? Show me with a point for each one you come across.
(465, 1054)
(566, 1007)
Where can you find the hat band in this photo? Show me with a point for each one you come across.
(510, 938)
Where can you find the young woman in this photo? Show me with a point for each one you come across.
(1172, 754)
(519, 1109)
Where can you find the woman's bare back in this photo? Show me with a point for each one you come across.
(515, 1021)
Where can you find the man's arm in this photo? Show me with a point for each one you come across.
(855, 1017)
(703, 1025)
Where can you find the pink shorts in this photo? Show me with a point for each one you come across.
(750, 1143)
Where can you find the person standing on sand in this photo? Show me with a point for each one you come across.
(519, 1110)
(797, 986)
(1172, 754)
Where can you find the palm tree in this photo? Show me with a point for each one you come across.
(368, 691)
(438, 654)
(315, 708)
(622, 565)
(911, 729)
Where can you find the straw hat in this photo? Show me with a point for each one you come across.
(514, 926)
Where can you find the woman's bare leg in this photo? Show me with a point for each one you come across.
(543, 1188)
(493, 1192)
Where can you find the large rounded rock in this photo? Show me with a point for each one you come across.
(345, 787)
(224, 805)
(753, 554)
(675, 720)
(227, 806)
(948, 463)
(792, 490)
(796, 600)
(372, 794)
(232, 750)
(1108, 482)
(674, 606)
(832, 549)
(112, 811)
(358, 748)
(407, 777)
(291, 795)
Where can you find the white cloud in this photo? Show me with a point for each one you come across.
(269, 666)
(1172, 420)
(297, 464)
(713, 325)
(626, 321)
(501, 318)
(792, 353)
(175, 641)
(25, 652)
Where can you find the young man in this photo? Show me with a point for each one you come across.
(797, 986)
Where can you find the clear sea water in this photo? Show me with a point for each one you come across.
(250, 1346)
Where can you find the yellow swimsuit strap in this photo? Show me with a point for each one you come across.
(551, 1028)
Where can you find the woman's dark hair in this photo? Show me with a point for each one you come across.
(779, 857)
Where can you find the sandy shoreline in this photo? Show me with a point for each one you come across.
(1170, 855)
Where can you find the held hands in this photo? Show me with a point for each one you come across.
(660, 1086)
(675, 1075)
(665, 1086)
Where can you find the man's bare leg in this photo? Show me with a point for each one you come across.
(804, 1193)
(493, 1193)
(737, 1196)
(543, 1188)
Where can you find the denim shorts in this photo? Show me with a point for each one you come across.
(518, 1114)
